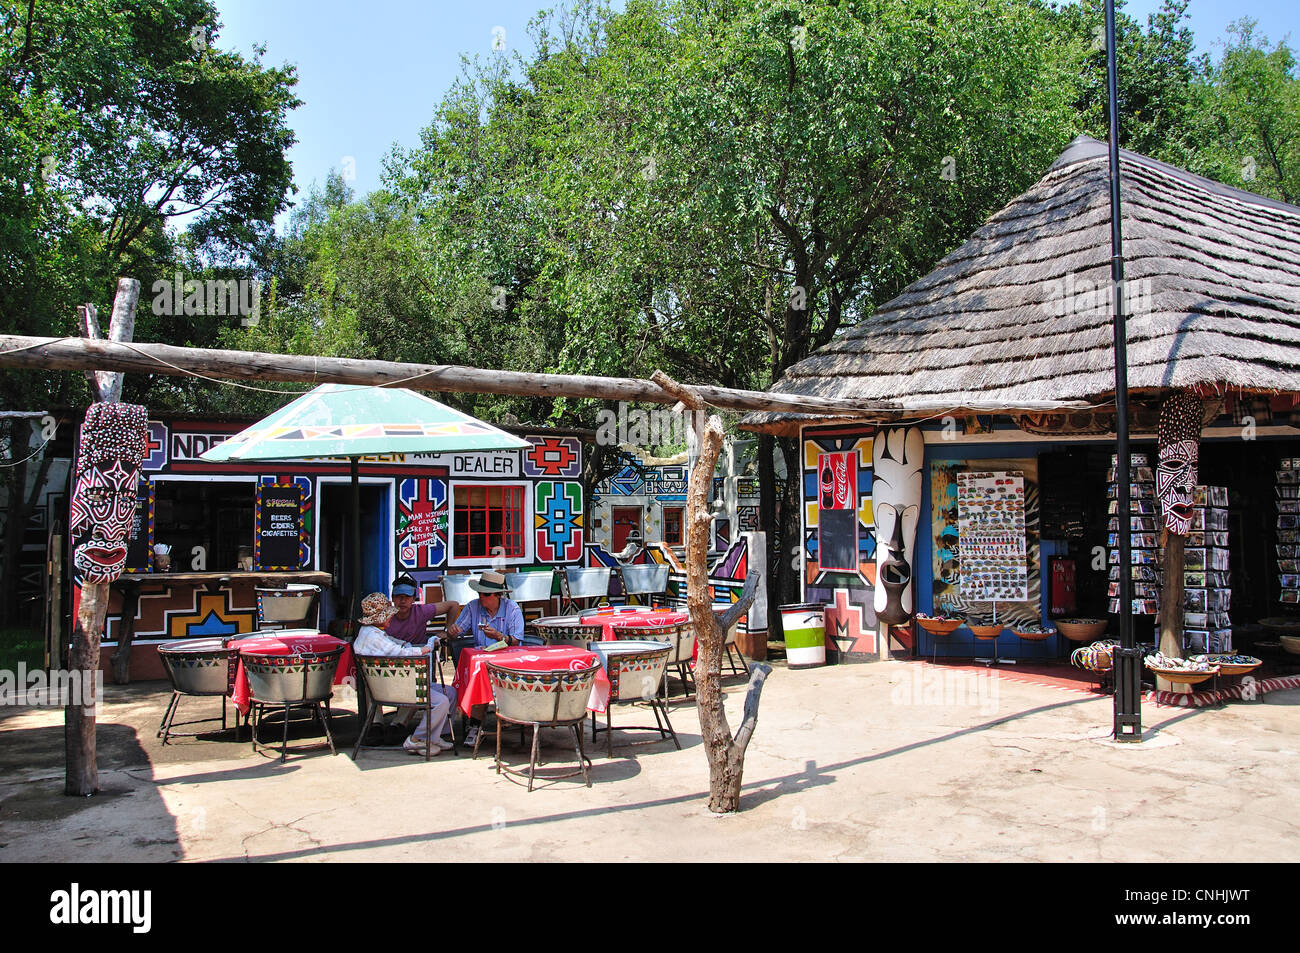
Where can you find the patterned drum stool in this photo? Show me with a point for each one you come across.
(196, 667)
(555, 699)
(292, 681)
(635, 668)
(401, 681)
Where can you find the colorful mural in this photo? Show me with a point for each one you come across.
(558, 521)
(421, 523)
(946, 589)
(822, 445)
(553, 457)
(411, 498)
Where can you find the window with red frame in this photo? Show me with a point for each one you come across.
(673, 518)
(489, 521)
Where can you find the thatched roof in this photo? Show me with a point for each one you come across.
(1213, 279)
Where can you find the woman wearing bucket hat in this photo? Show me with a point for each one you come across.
(377, 613)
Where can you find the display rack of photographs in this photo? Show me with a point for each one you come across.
(1207, 592)
(1288, 530)
(1144, 536)
(991, 536)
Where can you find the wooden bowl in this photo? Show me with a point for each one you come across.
(1234, 669)
(1291, 643)
(1035, 636)
(1181, 677)
(986, 631)
(939, 626)
(1081, 631)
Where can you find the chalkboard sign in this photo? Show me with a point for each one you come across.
(139, 540)
(277, 527)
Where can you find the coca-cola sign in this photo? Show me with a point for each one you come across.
(837, 478)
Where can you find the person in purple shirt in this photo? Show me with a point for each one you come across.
(411, 622)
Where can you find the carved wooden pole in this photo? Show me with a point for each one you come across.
(82, 772)
(725, 752)
(1181, 422)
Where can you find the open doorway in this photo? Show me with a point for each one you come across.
(335, 547)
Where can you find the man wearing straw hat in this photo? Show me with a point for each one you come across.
(376, 614)
(491, 617)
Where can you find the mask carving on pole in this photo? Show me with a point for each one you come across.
(113, 442)
(898, 456)
(1176, 471)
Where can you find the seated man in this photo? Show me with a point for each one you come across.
(410, 623)
(491, 617)
(377, 613)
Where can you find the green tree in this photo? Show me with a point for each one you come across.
(1249, 122)
(1158, 77)
(118, 123)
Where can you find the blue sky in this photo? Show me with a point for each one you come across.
(371, 73)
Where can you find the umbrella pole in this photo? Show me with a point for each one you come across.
(355, 597)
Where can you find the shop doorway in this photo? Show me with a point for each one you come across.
(626, 520)
(335, 552)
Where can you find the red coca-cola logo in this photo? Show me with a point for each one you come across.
(835, 482)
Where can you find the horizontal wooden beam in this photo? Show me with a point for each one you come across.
(82, 354)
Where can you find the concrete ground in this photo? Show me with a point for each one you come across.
(891, 761)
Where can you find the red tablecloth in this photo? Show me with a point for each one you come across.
(639, 619)
(473, 688)
(288, 643)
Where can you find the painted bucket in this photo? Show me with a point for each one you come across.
(804, 625)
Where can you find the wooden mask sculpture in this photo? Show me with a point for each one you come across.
(897, 457)
(113, 443)
(1179, 447)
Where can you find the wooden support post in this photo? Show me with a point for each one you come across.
(121, 659)
(82, 772)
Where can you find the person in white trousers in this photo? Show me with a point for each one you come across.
(376, 610)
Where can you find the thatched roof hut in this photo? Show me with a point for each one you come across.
(1020, 313)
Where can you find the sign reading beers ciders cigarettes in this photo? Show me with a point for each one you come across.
(277, 527)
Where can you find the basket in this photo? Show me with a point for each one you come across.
(1035, 636)
(1233, 669)
(1082, 631)
(1094, 658)
(986, 631)
(939, 626)
(1182, 678)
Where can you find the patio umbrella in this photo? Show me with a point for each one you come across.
(345, 420)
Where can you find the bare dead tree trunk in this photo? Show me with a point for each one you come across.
(725, 752)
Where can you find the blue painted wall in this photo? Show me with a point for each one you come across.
(961, 644)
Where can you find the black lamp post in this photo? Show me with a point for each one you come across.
(1128, 658)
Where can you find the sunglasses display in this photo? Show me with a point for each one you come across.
(991, 531)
